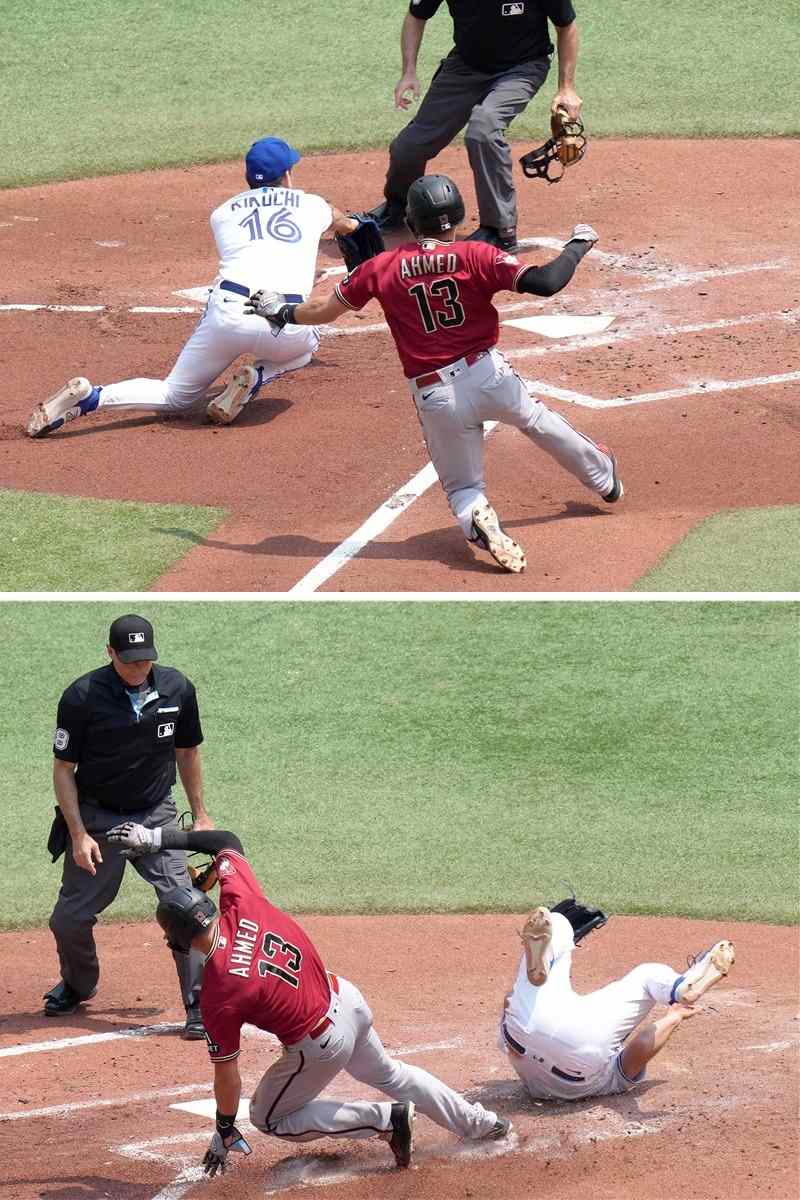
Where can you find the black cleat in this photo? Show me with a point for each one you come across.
(62, 1000)
(194, 1029)
(401, 1142)
(617, 490)
(503, 239)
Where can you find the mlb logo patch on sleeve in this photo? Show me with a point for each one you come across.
(167, 729)
(513, 10)
(61, 739)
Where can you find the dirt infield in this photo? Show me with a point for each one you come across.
(715, 1119)
(694, 384)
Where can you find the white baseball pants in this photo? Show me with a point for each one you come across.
(572, 1043)
(452, 414)
(285, 1102)
(223, 333)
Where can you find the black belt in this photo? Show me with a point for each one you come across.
(228, 285)
(115, 808)
(520, 1049)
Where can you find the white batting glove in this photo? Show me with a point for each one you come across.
(135, 839)
(584, 233)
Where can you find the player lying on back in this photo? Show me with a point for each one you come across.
(436, 293)
(262, 968)
(565, 1046)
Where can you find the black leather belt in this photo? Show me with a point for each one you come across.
(228, 285)
(520, 1049)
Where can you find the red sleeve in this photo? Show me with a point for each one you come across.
(359, 286)
(500, 270)
(236, 878)
(223, 1031)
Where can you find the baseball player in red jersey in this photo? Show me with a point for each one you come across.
(262, 968)
(436, 293)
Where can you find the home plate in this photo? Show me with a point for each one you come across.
(208, 1108)
(562, 325)
(198, 294)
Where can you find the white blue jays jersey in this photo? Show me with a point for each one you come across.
(268, 238)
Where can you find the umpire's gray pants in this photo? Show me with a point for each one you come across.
(487, 104)
(452, 414)
(83, 896)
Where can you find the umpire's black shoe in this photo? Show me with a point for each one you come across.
(401, 1143)
(390, 216)
(504, 239)
(194, 1029)
(62, 1000)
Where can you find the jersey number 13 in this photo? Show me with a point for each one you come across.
(448, 311)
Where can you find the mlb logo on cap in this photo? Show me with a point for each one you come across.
(268, 159)
(131, 637)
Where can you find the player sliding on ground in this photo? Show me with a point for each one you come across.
(565, 1046)
(262, 968)
(437, 293)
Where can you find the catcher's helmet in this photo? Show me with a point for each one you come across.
(182, 913)
(433, 205)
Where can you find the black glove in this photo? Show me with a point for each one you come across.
(215, 1157)
(364, 242)
(271, 306)
(583, 920)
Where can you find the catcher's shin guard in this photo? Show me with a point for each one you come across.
(240, 391)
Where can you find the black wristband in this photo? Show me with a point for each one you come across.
(286, 314)
(225, 1123)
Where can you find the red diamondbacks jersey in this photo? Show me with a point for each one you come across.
(437, 297)
(262, 969)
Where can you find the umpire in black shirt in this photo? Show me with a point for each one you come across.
(500, 60)
(122, 730)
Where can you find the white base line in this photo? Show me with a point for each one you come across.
(58, 1110)
(88, 1039)
(374, 525)
(700, 387)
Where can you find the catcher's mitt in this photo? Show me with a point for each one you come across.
(364, 242)
(582, 919)
(204, 876)
(566, 147)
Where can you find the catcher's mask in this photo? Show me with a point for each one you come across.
(183, 913)
(433, 206)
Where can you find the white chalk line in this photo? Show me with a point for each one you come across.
(678, 278)
(380, 520)
(88, 1039)
(698, 387)
(773, 1047)
(63, 1110)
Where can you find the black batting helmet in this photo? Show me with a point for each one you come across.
(433, 206)
(182, 913)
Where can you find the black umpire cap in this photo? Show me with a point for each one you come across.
(132, 638)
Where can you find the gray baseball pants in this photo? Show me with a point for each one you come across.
(285, 1102)
(83, 896)
(486, 104)
(452, 413)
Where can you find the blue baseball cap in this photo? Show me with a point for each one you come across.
(268, 159)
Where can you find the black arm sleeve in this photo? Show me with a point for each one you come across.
(211, 841)
(553, 276)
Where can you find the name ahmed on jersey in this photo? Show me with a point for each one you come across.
(428, 264)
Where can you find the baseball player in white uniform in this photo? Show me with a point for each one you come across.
(565, 1046)
(269, 231)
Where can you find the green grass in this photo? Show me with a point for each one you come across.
(380, 757)
(104, 86)
(131, 544)
(752, 550)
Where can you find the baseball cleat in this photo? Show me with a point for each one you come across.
(536, 934)
(194, 1029)
(487, 530)
(389, 215)
(241, 389)
(617, 491)
(401, 1143)
(706, 970)
(62, 1000)
(63, 406)
(501, 1129)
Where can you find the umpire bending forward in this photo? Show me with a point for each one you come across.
(122, 729)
